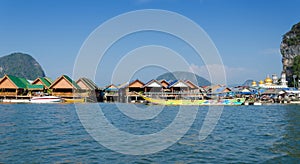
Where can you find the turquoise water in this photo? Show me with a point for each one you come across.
(43, 133)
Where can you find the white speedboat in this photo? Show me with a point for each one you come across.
(45, 99)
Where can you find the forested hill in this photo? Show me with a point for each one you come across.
(200, 81)
(20, 65)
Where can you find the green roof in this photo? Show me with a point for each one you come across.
(18, 81)
(72, 82)
(35, 86)
(46, 81)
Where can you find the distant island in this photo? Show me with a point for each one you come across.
(21, 65)
(180, 75)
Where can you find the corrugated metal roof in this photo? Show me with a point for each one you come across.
(175, 82)
(45, 81)
(35, 87)
(89, 83)
(172, 83)
(75, 85)
(220, 90)
(136, 81)
(19, 82)
(191, 84)
(151, 82)
(111, 87)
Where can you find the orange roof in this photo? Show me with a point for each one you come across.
(191, 84)
(136, 84)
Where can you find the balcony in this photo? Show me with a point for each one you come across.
(64, 94)
(8, 94)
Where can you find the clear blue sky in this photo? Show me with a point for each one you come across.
(247, 33)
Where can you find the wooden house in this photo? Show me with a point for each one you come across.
(89, 89)
(36, 90)
(153, 86)
(192, 87)
(46, 82)
(111, 93)
(219, 89)
(39, 86)
(12, 86)
(122, 97)
(164, 83)
(135, 86)
(129, 92)
(153, 89)
(179, 86)
(65, 87)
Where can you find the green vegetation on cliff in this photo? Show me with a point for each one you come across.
(292, 37)
(20, 65)
(296, 70)
(290, 50)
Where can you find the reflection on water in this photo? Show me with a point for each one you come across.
(41, 133)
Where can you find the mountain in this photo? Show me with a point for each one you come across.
(196, 79)
(290, 48)
(20, 65)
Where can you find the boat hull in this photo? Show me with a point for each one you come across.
(234, 101)
(46, 99)
(74, 100)
(15, 100)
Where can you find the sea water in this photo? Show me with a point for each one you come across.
(53, 133)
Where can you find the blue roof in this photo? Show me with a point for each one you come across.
(111, 89)
(172, 83)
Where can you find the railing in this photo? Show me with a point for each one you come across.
(8, 94)
(132, 94)
(112, 94)
(63, 94)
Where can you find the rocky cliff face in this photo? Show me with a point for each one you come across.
(290, 48)
(20, 65)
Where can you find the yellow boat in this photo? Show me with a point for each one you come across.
(71, 100)
(234, 101)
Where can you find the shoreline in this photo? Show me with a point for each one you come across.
(27, 101)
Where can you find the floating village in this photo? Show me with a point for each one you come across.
(271, 90)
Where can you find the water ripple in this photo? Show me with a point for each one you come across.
(41, 133)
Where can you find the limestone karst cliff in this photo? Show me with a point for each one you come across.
(20, 65)
(290, 48)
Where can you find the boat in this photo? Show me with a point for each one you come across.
(46, 99)
(257, 103)
(233, 101)
(15, 100)
(81, 100)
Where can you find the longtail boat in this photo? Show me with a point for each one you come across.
(233, 101)
(74, 100)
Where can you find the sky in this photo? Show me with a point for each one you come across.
(246, 33)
